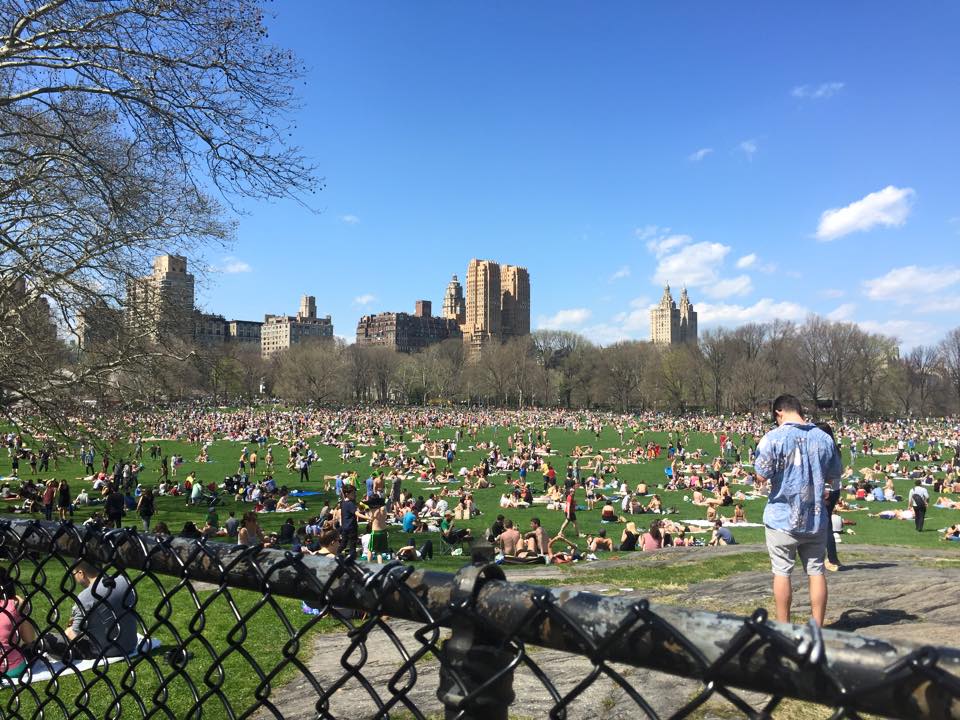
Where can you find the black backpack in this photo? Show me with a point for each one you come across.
(919, 503)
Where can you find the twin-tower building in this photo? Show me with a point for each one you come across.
(495, 307)
(670, 324)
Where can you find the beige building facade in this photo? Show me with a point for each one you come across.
(497, 303)
(670, 324)
(281, 332)
(160, 305)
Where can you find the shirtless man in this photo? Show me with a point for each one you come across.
(537, 541)
(509, 539)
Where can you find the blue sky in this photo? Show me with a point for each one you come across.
(777, 159)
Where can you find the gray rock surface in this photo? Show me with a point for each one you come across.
(900, 594)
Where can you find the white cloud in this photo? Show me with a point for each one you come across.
(888, 207)
(910, 333)
(621, 273)
(950, 304)
(748, 148)
(649, 231)
(699, 155)
(365, 299)
(660, 246)
(231, 266)
(752, 261)
(817, 92)
(905, 285)
(842, 313)
(693, 265)
(630, 324)
(728, 287)
(761, 311)
(349, 219)
(565, 319)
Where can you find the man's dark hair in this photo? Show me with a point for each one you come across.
(786, 403)
(535, 520)
(508, 523)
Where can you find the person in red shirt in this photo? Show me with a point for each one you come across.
(570, 513)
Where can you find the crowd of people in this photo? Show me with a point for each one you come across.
(407, 494)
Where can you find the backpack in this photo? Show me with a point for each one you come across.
(918, 502)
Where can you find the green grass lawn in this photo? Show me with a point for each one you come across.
(226, 654)
(224, 456)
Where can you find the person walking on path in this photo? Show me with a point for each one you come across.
(800, 462)
(917, 500)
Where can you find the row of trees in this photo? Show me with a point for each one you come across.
(836, 366)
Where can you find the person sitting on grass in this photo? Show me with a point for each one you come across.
(102, 622)
(652, 539)
(608, 514)
(721, 535)
(509, 540)
(952, 533)
(16, 630)
(536, 541)
(629, 538)
(600, 542)
(451, 534)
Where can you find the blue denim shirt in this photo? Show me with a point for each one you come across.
(798, 460)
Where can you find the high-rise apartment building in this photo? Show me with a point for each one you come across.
(280, 332)
(670, 324)
(404, 332)
(454, 305)
(484, 316)
(514, 301)
(160, 305)
(497, 303)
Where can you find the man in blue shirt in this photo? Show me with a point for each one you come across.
(409, 519)
(801, 463)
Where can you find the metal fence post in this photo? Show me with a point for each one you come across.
(476, 680)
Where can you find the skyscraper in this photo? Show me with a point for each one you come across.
(497, 303)
(670, 324)
(483, 299)
(454, 305)
(160, 305)
(515, 300)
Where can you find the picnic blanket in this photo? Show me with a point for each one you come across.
(709, 524)
(305, 493)
(44, 668)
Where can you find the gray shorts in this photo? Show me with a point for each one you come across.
(784, 548)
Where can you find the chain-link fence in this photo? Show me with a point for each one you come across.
(236, 632)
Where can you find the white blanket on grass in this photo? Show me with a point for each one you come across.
(709, 524)
(44, 669)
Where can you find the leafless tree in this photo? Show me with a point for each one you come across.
(310, 372)
(950, 355)
(114, 118)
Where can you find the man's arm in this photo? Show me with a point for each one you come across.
(75, 628)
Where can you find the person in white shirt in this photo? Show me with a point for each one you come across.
(917, 500)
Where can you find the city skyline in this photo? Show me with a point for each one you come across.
(615, 150)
